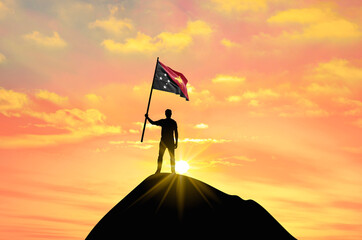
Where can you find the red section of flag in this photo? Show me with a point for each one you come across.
(178, 78)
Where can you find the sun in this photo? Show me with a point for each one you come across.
(182, 167)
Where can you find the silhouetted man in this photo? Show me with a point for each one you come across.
(169, 126)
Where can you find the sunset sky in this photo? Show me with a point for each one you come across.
(275, 110)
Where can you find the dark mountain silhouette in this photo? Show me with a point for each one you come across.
(166, 206)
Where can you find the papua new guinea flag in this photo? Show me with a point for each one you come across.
(169, 80)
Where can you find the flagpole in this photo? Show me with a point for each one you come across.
(149, 101)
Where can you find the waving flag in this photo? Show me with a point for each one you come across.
(169, 80)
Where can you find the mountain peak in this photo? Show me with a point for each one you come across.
(183, 206)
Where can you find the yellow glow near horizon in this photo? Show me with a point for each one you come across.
(182, 167)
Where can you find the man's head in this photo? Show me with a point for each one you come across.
(168, 113)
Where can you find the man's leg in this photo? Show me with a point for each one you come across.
(160, 156)
(171, 150)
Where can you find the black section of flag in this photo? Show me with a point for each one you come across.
(162, 81)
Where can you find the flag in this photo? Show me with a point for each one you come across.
(169, 80)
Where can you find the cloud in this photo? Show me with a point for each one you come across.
(149, 126)
(112, 24)
(228, 43)
(300, 107)
(36, 141)
(167, 41)
(134, 131)
(334, 30)
(254, 97)
(281, 100)
(338, 69)
(336, 77)
(253, 103)
(349, 102)
(198, 27)
(233, 99)
(203, 98)
(238, 6)
(173, 41)
(284, 101)
(214, 162)
(238, 158)
(142, 43)
(11, 102)
(327, 89)
(261, 93)
(232, 160)
(354, 106)
(244, 158)
(310, 108)
(77, 124)
(90, 120)
(93, 98)
(52, 97)
(54, 41)
(301, 15)
(2, 58)
(318, 24)
(228, 79)
(201, 126)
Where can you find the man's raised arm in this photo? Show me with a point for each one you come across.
(149, 119)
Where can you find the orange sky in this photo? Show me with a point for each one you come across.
(275, 110)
